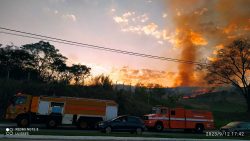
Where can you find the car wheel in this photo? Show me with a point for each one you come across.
(158, 127)
(51, 123)
(138, 131)
(23, 122)
(108, 130)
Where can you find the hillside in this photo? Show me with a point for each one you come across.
(222, 101)
(226, 106)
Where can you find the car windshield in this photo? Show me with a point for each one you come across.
(233, 124)
(116, 119)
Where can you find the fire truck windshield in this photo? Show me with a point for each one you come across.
(156, 110)
(17, 100)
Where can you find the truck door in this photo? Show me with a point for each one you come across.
(165, 118)
(43, 108)
(177, 118)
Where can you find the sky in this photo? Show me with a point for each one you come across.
(143, 26)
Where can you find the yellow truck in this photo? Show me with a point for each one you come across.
(26, 109)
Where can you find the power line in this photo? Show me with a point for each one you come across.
(68, 42)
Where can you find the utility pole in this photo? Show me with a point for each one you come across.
(148, 98)
(130, 89)
(28, 76)
(8, 75)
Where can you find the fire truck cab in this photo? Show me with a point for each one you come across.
(179, 118)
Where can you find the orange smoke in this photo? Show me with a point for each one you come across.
(145, 77)
(197, 39)
(203, 25)
(188, 41)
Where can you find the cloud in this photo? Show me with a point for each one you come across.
(200, 11)
(164, 15)
(141, 24)
(150, 28)
(160, 42)
(127, 14)
(69, 17)
(120, 19)
(56, 1)
(113, 10)
(124, 19)
(55, 12)
(143, 18)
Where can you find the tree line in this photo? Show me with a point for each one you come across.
(40, 62)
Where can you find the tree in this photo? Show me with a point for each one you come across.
(47, 59)
(102, 81)
(156, 89)
(232, 66)
(79, 73)
(15, 62)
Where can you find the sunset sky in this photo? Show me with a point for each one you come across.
(156, 27)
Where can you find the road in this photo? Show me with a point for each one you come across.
(99, 138)
(72, 133)
(73, 129)
(67, 128)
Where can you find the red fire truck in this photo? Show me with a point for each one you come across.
(179, 118)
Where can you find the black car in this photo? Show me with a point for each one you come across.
(236, 126)
(123, 123)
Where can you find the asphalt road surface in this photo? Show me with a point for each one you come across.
(73, 129)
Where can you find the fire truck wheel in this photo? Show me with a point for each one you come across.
(138, 131)
(23, 121)
(108, 130)
(159, 127)
(199, 128)
(51, 123)
(82, 124)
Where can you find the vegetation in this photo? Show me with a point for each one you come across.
(231, 66)
(226, 106)
(39, 62)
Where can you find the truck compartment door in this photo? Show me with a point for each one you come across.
(111, 112)
(67, 119)
(43, 108)
(177, 118)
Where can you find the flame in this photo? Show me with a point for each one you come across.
(197, 39)
(212, 59)
(230, 28)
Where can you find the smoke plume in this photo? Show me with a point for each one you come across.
(205, 24)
